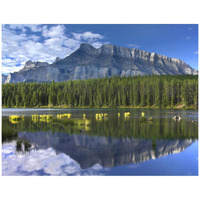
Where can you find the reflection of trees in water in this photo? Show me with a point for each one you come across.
(116, 128)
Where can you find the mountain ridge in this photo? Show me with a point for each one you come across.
(106, 61)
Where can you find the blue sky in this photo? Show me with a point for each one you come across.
(40, 42)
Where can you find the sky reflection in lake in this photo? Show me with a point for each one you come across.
(41, 162)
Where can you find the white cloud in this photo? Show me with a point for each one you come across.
(190, 29)
(87, 36)
(54, 31)
(34, 27)
(54, 43)
(8, 62)
(7, 70)
(41, 162)
(21, 43)
(34, 37)
(23, 27)
(196, 52)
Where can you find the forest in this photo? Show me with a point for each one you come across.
(166, 91)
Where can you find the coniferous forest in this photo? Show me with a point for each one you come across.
(165, 91)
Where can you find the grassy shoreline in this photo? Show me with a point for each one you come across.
(178, 107)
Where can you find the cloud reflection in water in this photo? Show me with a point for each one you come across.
(42, 162)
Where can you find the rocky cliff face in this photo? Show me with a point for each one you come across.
(106, 61)
(4, 78)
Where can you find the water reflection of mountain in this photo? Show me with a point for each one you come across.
(108, 152)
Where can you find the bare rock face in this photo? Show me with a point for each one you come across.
(106, 61)
(30, 64)
(4, 77)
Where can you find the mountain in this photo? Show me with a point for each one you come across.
(106, 61)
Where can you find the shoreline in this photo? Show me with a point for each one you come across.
(105, 107)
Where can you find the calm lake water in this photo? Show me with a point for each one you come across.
(112, 146)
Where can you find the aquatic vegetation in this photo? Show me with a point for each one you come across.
(34, 120)
(160, 128)
(105, 115)
(67, 115)
(150, 119)
(87, 122)
(127, 114)
(46, 116)
(35, 116)
(42, 116)
(101, 116)
(14, 122)
(143, 118)
(14, 119)
(87, 128)
(49, 116)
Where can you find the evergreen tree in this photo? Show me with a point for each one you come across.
(145, 91)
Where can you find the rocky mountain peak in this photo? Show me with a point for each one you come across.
(57, 59)
(86, 47)
(30, 64)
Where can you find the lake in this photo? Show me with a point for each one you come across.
(110, 146)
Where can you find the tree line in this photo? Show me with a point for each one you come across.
(166, 91)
